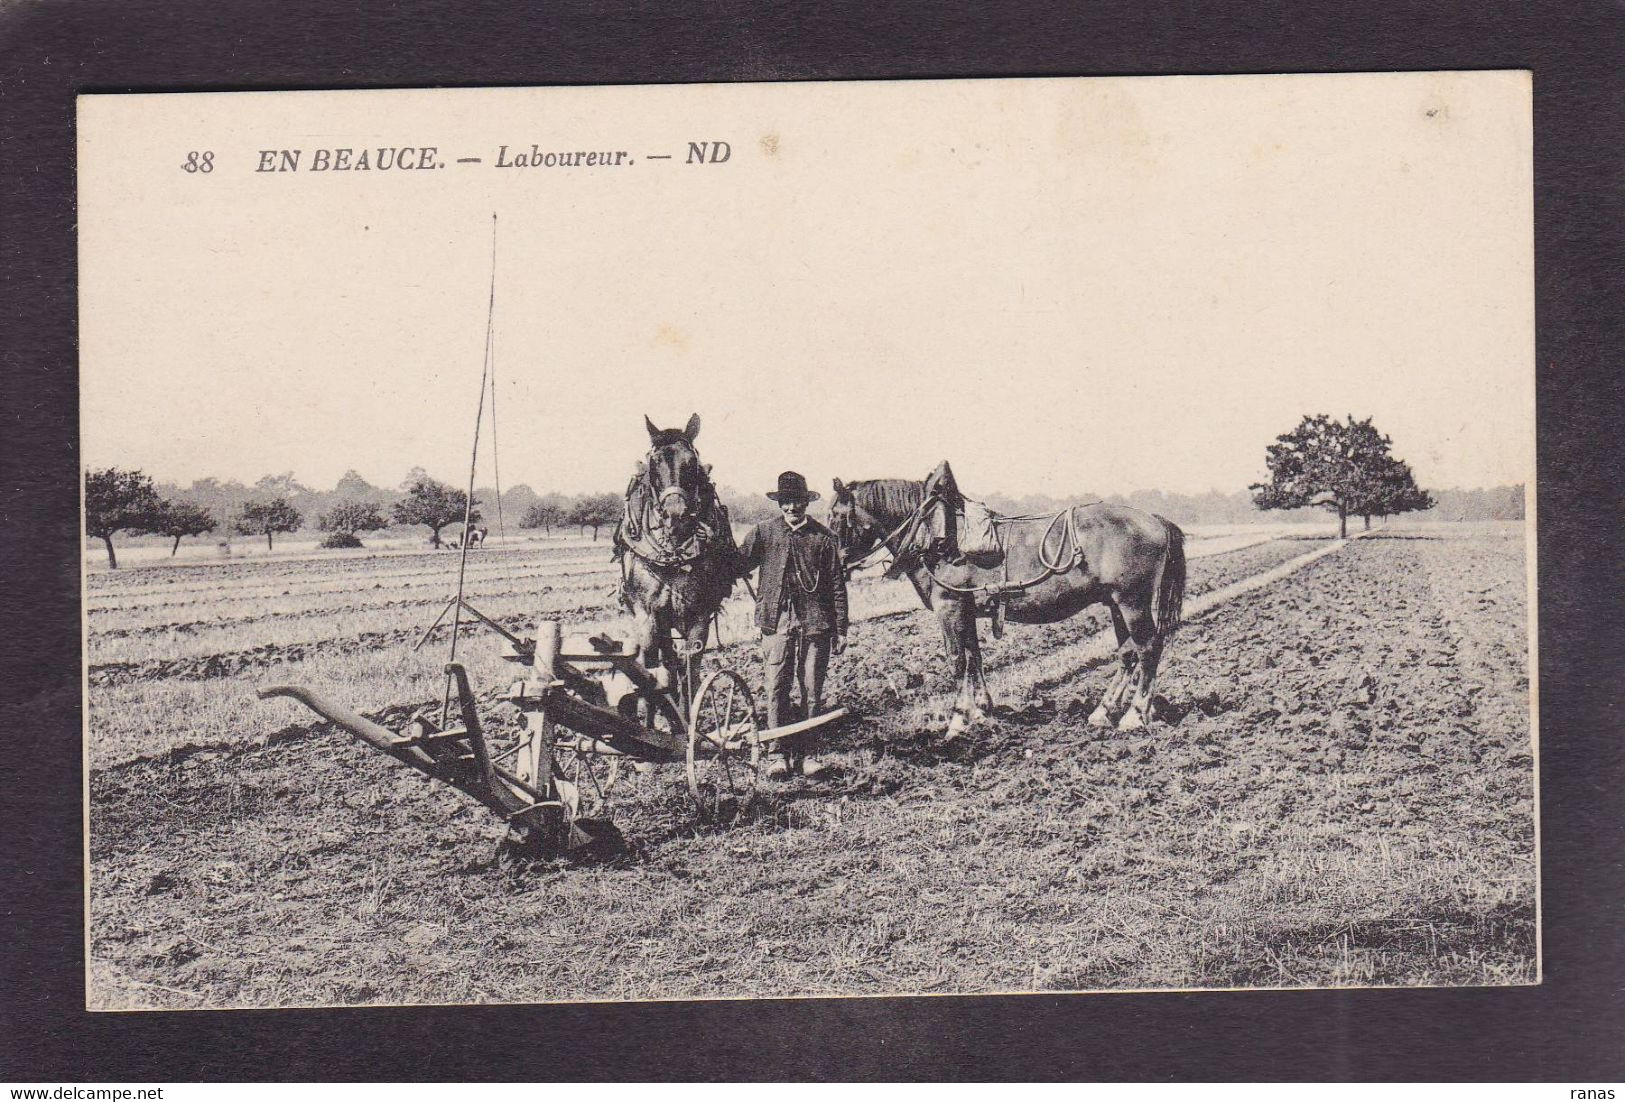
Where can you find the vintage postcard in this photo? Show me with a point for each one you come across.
(763, 540)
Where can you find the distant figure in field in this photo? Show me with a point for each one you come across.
(476, 539)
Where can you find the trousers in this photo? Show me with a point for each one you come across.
(792, 657)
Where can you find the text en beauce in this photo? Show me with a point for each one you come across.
(379, 158)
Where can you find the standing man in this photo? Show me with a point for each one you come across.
(800, 609)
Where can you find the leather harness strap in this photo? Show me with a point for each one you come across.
(1068, 555)
(1062, 523)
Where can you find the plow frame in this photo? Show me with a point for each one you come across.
(575, 697)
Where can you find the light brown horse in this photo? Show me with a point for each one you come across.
(1046, 569)
(677, 552)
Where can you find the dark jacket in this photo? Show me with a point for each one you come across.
(771, 546)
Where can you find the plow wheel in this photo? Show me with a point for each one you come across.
(595, 777)
(724, 751)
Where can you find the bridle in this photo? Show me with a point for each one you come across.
(868, 524)
(646, 536)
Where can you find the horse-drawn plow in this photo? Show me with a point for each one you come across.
(587, 707)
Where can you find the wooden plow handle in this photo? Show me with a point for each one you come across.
(373, 734)
(493, 786)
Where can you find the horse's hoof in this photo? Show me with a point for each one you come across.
(1131, 721)
(1100, 717)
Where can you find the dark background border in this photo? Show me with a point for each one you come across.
(1568, 1029)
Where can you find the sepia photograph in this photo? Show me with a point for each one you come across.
(814, 539)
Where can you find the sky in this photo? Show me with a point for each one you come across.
(1063, 286)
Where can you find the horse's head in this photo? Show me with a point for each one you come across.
(675, 475)
(891, 511)
(865, 515)
(854, 535)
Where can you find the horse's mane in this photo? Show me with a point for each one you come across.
(895, 497)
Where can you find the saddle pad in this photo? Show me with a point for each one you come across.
(979, 535)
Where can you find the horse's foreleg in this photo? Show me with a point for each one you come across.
(984, 697)
(950, 639)
(649, 657)
(951, 616)
(981, 699)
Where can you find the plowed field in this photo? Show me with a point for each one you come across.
(1339, 791)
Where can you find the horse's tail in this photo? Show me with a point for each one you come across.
(1170, 587)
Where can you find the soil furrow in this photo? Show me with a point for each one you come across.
(1205, 573)
(1331, 797)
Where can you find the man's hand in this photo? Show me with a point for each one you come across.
(839, 646)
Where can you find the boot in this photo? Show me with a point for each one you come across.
(812, 768)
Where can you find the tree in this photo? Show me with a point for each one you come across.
(347, 518)
(545, 513)
(275, 515)
(594, 511)
(179, 519)
(1343, 466)
(1393, 491)
(281, 485)
(517, 500)
(434, 504)
(119, 501)
(746, 508)
(223, 499)
(352, 485)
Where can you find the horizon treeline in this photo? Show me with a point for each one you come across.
(225, 498)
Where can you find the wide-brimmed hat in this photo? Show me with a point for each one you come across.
(792, 487)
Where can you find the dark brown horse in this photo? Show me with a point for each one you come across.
(677, 553)
(1040, 570)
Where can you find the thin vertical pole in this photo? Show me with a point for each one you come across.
(496, 455)
(473, 464)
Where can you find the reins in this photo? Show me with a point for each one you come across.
(885, 543)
